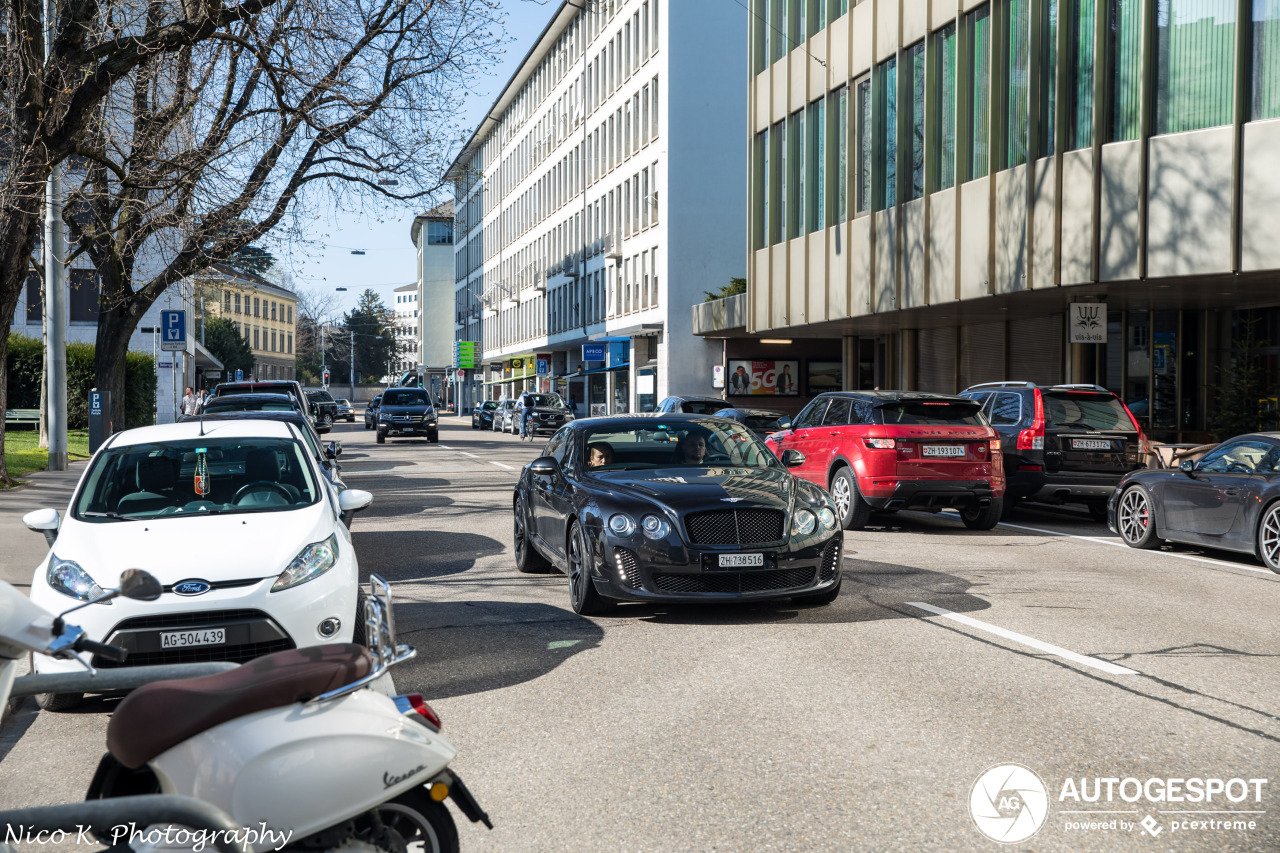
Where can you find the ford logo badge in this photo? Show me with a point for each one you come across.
(192, 587)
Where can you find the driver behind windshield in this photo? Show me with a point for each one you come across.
(691, 449)
(599, 454)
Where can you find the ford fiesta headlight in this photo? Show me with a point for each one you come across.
(621, 524)
(654, 527)
(827, 518)
(68, 578)
(313, 561)
(803, 523)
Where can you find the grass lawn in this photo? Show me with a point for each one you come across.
(21, 455)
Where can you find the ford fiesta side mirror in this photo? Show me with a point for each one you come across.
(544, 466)
(792, 458)
(353, 500)
(784, 422)
(1188, 467)
(44, 521)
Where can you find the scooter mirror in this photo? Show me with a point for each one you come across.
(139, 585)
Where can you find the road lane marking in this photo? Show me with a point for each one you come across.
(1103, 541)
(1023, 639)
(501, 465)
(465, 453)
(445, 447)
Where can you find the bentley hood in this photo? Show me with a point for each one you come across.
(686, 489)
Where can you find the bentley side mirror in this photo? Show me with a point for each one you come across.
(784, 422)
(792, 458)
(45, 521)
(1187, 467)
(139, 585)
(544, 466)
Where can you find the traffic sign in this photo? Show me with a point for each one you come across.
(544, 367)
(239, 375)
(466, 354)
(173, 331)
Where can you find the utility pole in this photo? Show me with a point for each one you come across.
(351, 369)
(55, 295)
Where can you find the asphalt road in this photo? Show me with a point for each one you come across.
(861, 725)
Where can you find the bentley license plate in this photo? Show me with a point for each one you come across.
(738, 561)
(1090, 444)
(943, 450)
(205, 637)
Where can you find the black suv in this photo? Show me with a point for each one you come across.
(326, 408)
(406, 412)
(1061, 443)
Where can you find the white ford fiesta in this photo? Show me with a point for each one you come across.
(246, 535)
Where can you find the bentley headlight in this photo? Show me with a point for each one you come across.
(803, 522)
(621, 524)
(69, 579)
(654, 527)
(827, 518)
(313, 561)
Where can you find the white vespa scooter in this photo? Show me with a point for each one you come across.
(297, 747)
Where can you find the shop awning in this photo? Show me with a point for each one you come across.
(623, 366)
(206, 360)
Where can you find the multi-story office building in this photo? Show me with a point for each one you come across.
(264, 313)
(599, 199)
(432, 235)
(936, 183)
(406, 328)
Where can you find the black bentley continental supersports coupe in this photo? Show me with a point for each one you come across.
(673, 507)
(1230, 499)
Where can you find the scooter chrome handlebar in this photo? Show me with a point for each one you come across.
(102, 816)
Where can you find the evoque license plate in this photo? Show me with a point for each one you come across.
(1090, 444)
(943, 450)
(203, 637)
(738, 561)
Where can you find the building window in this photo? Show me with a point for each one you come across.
(777, 30)
(290, 337)
(760, 34)
(1124, 65)
(273, 311)
(226, 301)
(776, 173)
(886, 91)
(795, 22)
(1264, 89)
(439, 233)
(654, 86)
(944, 42)
(815, 160)
(795, 174)
(273, 340)
(256, 342)
(978, 37)
(1017, 75)
(82, 306)
(1079, 67)
(35, 299)
(1195, 71)
(913, 66)
(838, 146)
(817, 15)
(863, 200)
(1048, 100)
(237, 303)
(256, 307)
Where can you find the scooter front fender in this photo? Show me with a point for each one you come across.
(306, 766)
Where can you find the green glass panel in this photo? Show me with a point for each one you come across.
(842, 155)
(1264, 94)
(946, 44)
(1195, 63)
(1018, 77)
(1080, 67)
(1125, 66)
(1048, 76)
(864, 146)
(979, 28)
(815, 163)
(916, 86)
(887, 125)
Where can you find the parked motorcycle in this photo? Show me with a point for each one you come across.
(297, 747)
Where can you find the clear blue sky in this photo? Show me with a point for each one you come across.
(384, 236)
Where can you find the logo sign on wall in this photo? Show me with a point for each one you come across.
(593, 352)
(764, 378)
(1087, 323)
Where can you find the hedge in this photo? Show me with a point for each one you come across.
(26, 361)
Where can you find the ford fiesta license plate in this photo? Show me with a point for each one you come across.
(1090, 444)
(943, 450)
(740, 561)
(205, 637)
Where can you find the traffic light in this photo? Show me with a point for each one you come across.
(326, 377)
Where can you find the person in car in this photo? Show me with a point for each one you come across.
(599, 454)
(691, 449)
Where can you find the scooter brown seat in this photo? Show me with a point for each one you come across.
(162, 714)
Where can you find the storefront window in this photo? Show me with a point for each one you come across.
(621, 389)
(1164, 371)
(1137, 390)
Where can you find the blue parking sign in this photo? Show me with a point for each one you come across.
(173, 331)
(239, 375)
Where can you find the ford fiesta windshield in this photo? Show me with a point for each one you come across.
(679, 444)
(205, 476)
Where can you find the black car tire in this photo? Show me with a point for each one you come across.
(528, 559)
(1097, 511)
(433, 437)
(819, 598)
(582, 590)
(852, 511)
(325, 420)
(55, 701)
(1007, 509)
(983, 517)
(1136, 518)
(382, 437)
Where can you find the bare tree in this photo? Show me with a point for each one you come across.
(311, 104)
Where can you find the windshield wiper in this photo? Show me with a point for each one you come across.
(114, 516)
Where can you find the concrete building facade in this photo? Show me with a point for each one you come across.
(600, 198)
(432, 235)
(265, 314)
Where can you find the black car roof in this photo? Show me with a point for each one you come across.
(255, 398)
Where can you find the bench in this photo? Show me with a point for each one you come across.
(30, 417)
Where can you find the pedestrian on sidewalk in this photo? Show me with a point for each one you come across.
(189, 402)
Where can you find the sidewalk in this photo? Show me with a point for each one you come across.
(23, 548)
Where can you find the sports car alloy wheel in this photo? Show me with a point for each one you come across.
(1269, 538)
(582, 592)
(1135, 519)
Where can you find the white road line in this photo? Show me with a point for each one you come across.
(445, 447)
(1057, 651)
(1102, 541)
(465, 453)
(501, 465)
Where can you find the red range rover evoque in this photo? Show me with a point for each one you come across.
(891, 450)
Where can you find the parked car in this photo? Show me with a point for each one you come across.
(325, 453)
(891, 450)
(406, 412)
(1062, 443)
(239, 525)
(482, 415)
(371, 412)
(673, 508)
(247, 403)
(1229, 499)
(549, 414)
(346, 411)
(326, 407)
(760, 421)
(503, 415)
(276, 386)
(691, 405)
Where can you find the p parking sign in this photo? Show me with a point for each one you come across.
(173, 331)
